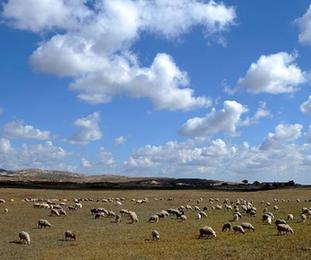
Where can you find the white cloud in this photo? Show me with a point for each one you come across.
(44, 15)
(223, 120)
(217, 159)
(120, 140)
(5, 146)
(105, 157)
(262, 112)
(44, 155)
(274, 74)
(86, 163)
(304, 24)
(18, 129)
(88, 129)
(94, 47)
(283, 133)
(306, 106)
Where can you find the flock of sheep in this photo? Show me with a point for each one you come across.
(238, 207)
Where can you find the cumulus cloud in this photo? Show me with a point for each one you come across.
(96, 39)
(18, 129)
(85, 163)
(306, 106)
(218, 159)
(283, 133)
(5, 146)
(105, 157)
(304, 24)
(223, 120)
(88, 129)
(262, 112)
(44, 155)
(274, 74)
(120, 140)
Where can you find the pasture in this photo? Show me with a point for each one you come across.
(103, 239)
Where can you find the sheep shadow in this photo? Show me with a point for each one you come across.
(15, 242)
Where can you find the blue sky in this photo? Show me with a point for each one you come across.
(205, 89)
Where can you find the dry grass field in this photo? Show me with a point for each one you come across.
(102, 239)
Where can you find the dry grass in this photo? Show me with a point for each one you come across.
(101, 239)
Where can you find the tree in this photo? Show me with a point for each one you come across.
(245, 181)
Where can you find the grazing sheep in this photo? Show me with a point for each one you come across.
(203, 214)
(238, 229)
(267, 219)
(155, 235)
(2, 200)
(199, 216)
(236, 217)
(207, 231)
(117, 219)
(133, 217)
(303, 217)
(276, 207)
(226, 227)
(284, 229)
(290, 217)
(6, 210)
(54, 212)
(248, 226)
(183, 218)
(43, 223)
(70, 235)
(100, 214)
(62, 212)
(24, 237)
(124, 211)
(280, 221)
(153, 219)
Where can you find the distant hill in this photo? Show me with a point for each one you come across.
(37, 178)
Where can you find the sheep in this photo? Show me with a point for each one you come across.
(2, 200)
(207, 231)
(70, 235)
(133, 217)
(280, 221)
(276, 207)
(183, 218)
(290, 217)
(6, 210)
(303, 217)
(62, 212)
(54, 212)
(117, 219)
(203, 214)
(284, 229)
(248, 226)
(24, 237)
(100, 214)
(226, 227)
(124, 211)
(266, 218)
(238, 229)
(236, 217)
(153, 219)
(155, 235)
(43, 223)
(199, 216)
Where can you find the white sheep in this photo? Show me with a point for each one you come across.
(133, 217)
(70, 235)
(54, 212)
(24, 237)
(43, 223)
(226, 227)
(155, 235)
(154, 219)
(284, 229)
(6, 210)
(290, 217)
(207, 231)
(238, 229)
(248, 226)
(303, 217)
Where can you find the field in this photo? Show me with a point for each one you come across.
(102, 239)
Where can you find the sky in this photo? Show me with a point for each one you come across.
(179, 88)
